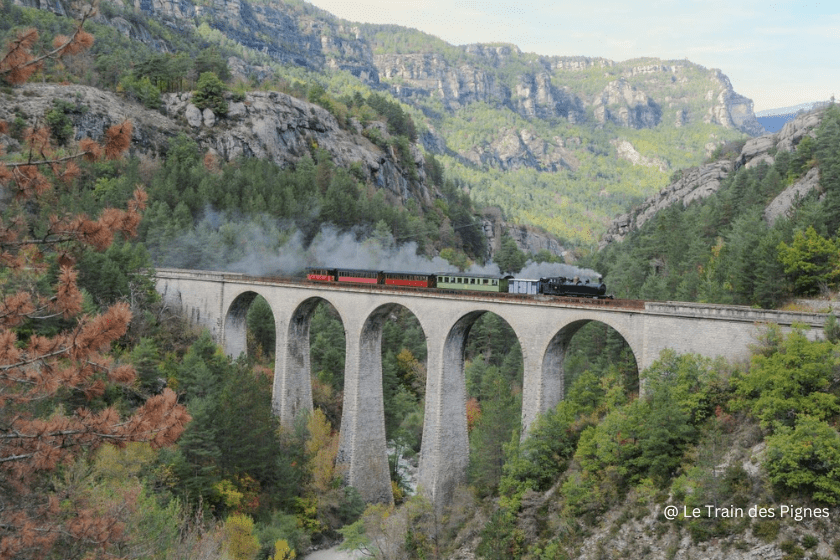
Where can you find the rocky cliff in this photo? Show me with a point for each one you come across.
(634, 94)
(267, 125)
(489, 107)
(528, 239)
(702, 181)
(550, 91)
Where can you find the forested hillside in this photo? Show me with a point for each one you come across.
(563, 143)
(735, 246)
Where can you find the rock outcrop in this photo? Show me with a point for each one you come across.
(787, 199)
(694, 184)
(623, 104)
(700, 182)
(268, 125)
(514, 149)
(528, 239)
(625, 150)
(732, 110)
(430, 75)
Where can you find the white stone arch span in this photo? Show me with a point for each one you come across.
(234, 323)
(362, 445)
(554, 358)
(445, 452)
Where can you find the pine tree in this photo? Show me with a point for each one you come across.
(51, 354)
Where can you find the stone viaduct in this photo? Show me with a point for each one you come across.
(544, 327)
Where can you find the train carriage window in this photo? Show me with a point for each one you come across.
(484, 281)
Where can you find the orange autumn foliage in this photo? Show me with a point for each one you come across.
(36, 370)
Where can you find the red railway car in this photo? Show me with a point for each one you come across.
(413, 279)
(320, 274)
(358, 276)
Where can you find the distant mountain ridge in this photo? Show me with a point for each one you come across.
(773, 120)
(792, 110)
(561, 143)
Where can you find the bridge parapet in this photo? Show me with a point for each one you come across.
(734, 313)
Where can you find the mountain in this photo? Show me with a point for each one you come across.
(703, 181)
(774, 119)
(323, 142)
(792, 110)
(560, 143)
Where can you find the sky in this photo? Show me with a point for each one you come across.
(778, 54)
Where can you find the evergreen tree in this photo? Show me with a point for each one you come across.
(43, 423)
(260, 322)
(509, 257)
(209, 94)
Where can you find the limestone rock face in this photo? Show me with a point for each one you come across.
(732, 110)
(700, 182)
(514, 149)
(429, 75)
(785, 201)
(794, 131)
(268, 125)
(626, 151)
(623, 104)
(536, 96)
(419, 75)
(528, 239)
(694, 184)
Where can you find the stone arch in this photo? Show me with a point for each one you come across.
(445, 451)
(234, 323)
(293, 379)
(553, 363)
(363, 443)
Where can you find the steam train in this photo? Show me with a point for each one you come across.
(553, 286)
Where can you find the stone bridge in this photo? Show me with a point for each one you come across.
(544, 326)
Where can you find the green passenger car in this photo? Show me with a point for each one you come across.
(471, 282)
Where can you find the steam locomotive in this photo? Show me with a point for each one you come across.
(553, 286)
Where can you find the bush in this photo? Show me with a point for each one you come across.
(806, 459)
(142, 90)
(210, 94)
(58, 119)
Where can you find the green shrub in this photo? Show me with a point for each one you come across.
(809, 542)
(806, 459)
(142, 90)
(766, 529)
(210, 94)
(59, 121)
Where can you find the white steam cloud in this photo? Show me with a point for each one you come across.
(262, 247)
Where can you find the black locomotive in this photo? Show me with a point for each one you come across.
(574, 287)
